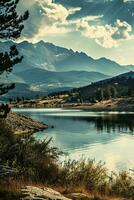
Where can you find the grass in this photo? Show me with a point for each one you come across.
(37, 164)
(89, 178)
(11, 191)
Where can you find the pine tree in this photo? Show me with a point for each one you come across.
(11, 26)
(114, 92)
(107, 93)
(99, 94)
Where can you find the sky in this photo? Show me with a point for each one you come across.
(100, 28)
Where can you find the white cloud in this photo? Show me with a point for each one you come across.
(53, 19)
(50, 19)
(53, 12)
(123, 30)
(107, 36)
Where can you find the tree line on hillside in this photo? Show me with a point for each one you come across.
(104, 90)
(117, 87)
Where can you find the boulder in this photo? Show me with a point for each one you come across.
(44, 193)
(78, 196)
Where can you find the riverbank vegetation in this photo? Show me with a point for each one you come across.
(25, 161)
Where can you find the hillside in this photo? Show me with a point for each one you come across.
(40, 82)
(118, 86)
(113, 94)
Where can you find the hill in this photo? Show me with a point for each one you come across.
(118, 86)
(115, 87)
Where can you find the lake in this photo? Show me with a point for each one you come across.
(105, 136)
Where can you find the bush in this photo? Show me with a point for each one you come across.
(7, 139)
(32, 159)
(37, 162)
(87, 174)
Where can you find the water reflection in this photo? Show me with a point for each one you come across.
(100, 135)
(112, 123)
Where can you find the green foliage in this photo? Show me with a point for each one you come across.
(11, 26)
(88, 174)
(38, 162)
(4, 110)
(123, 185)
(32, 159)
(4, 195)
(114, 92)
(120, 86)
(7, 139)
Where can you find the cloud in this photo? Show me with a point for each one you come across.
(123, 30)
(54, 12)
(46, 18)
(110, 9)
(107, 36)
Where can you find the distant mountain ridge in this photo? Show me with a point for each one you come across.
(41, 82)
(50, 57)
(70, 78)
(46, 68)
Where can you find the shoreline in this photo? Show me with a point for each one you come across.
(117, 104)
(84, 108)
(113, 105)
(24, 125)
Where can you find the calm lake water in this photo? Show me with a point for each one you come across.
(106, 136)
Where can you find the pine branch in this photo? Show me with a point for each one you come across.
(11, 26)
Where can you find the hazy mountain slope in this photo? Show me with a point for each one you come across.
(33, 82)
(47, 79)
(22, 90)
(130, 67)
(53, 58)
(46, 68)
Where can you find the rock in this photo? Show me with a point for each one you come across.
(36, 193)
(23, 124)
(78, 196)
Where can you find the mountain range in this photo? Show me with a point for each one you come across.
(46, 68)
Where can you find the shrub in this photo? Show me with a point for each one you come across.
(38, 162)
